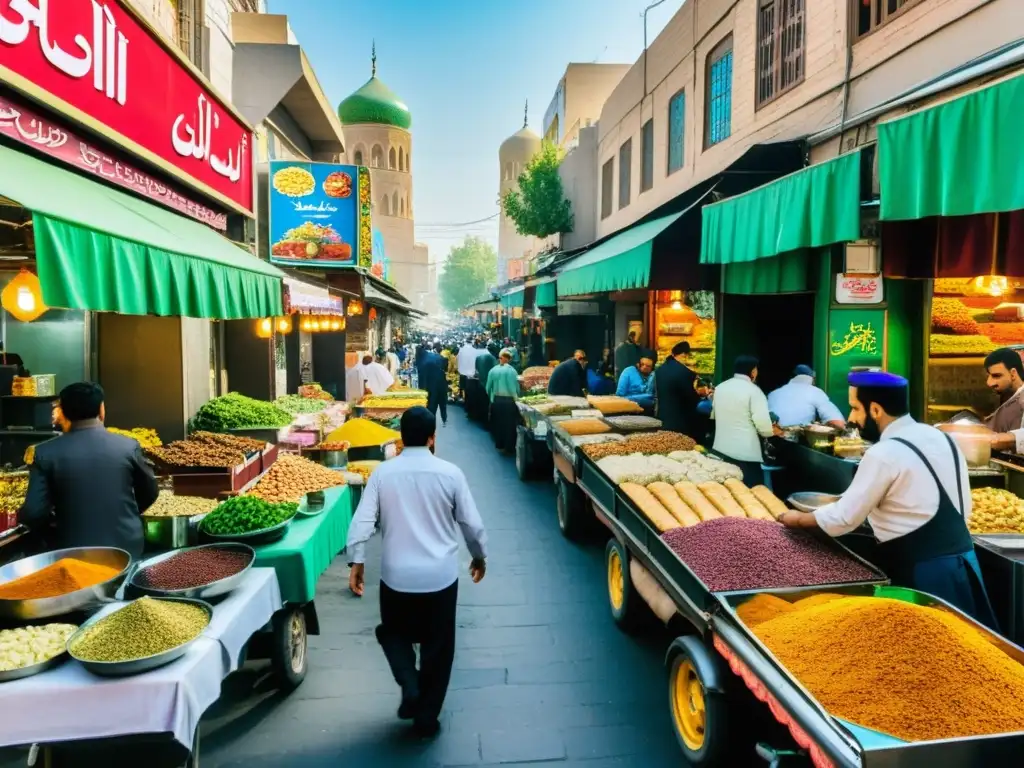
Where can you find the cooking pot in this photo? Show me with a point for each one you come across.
(974, 440)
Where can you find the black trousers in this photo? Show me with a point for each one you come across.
(428, 619)
(504, 421)
(436, 399)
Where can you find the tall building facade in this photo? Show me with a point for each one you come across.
(514, 250)
(378, 133)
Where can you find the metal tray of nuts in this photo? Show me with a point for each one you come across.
(203, 591)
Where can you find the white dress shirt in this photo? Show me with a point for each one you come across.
(377, 377)
(800, 402)
(893, 490)
(465, 361)
(740, 411)
(421, 501)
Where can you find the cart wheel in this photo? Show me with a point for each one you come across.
(570, 517)
(699, 709)
(522, 457)
(627, 606)
(288, 659)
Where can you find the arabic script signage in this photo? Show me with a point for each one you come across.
(92, 60)
(317, 218)
(856, 339)
(28, 127)
(859, 289)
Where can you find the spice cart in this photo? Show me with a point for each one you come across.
(721, 639)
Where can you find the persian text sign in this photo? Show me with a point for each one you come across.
(92, 60)
(859, 289)
(28, 127)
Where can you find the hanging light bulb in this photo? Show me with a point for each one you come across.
(284, 324)
(335, 324)
(265, 327)
(23, 297)
(315, 324)
(306, 324)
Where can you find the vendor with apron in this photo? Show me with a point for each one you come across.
(912, 487)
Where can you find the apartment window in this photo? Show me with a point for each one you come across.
(190, 30)
(780, 47)
(607, 182)
(647, 150)
(676, 123)
(625, 168)
(718, 94)
(869, 15)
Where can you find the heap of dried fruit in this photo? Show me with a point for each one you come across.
(650, 442)
(207, 449)
(951, 316)
(292, 477)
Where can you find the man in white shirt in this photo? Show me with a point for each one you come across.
(376, 376)
(800, 402)
(912, 488)
(465, 361)
(421, 503)
(1006, 378)
(740, 411)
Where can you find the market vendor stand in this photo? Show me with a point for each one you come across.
(533, 456)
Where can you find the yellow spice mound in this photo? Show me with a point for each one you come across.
(362, 433)
(913, 672)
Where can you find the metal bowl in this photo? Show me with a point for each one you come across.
(273, 533)
(137, 666)
(204, 591)
(809, 501)
(33, 669)
(87, 599)
(171, 532)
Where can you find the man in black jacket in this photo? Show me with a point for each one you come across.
(433, 370)
(95, 483)
(570, 376)
(676, 397)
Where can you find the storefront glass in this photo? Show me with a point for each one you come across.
(686, 316)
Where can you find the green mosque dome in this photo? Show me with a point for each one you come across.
(375, 103)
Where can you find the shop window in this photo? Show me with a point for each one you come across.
(392, 159)
(190, 30)
(718, 94)
(780, 47)
(869, 15)
(676, 124)
(647, 166)
(377, 156)
(625, 169)
(607, 185)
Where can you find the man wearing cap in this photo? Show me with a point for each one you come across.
(800, 402)
(912, 488)
(502, 390)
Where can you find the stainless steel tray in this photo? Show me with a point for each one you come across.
(809, 501)
(1013, 542)
(33, 669)
(137, 666)
(88, 599)
(213, 589)
(273, 533)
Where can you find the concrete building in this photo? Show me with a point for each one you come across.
(727, 74)
(579, 97)
(377, 126)
(514, 250)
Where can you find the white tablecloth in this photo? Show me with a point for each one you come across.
(69, 703)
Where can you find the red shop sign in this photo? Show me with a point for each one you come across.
(92, 60)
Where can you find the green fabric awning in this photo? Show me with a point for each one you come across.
(955, 159)
(815, 206)
(547, 295)
(621, 263)
(513, 299)
(787, 273)
(103, 250)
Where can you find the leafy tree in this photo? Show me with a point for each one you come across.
(467, 272)
(539, 207)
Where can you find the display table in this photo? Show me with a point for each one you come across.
(307, 550)
(70, 704)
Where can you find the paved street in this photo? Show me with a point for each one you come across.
(541, 673)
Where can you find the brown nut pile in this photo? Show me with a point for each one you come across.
(244, 444)
(291, 477)
(652, 442)
(194, 453)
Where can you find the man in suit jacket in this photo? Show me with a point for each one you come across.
(570, 376)
(433, 371)
(95, 483)
(676, 397)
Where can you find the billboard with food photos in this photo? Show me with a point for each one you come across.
(316, 214)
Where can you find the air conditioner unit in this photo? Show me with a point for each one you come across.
(862, 257)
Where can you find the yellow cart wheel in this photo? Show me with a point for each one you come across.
(698, 705)
(628, 608)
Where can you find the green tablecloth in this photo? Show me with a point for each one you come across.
(309, 547)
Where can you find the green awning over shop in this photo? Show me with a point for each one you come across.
(103, 250)
(547, 295)
(955, 159)
(620, 263)
(777, 274)
(513, 299)
(815, 206)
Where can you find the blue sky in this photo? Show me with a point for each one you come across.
(464, 68)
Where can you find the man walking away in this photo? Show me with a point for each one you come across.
(421, 502)
(434, 381)
(502, 391)
(487, 360)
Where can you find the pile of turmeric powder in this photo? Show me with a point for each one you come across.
(59, 578)
(913, 672)
(362, 433)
